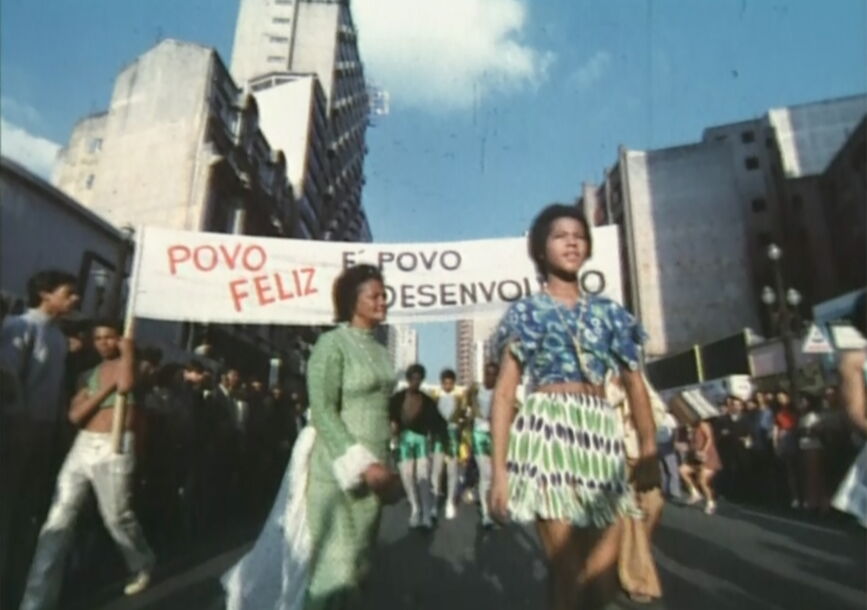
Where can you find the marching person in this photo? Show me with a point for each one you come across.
(851, 495)
(413, 417)
(314, 549)
(93, 464)
(480, 400)
(33, 352)
(451, 408)
(559, 461)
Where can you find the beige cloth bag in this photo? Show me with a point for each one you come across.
(635, 566)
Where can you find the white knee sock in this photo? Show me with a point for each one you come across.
(422, 475)
(407, 476)
(484, 463)
(436, 474)
(452, 474)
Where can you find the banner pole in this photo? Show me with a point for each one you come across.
(119, 415)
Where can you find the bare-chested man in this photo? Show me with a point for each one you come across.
(91, 463)
(413, 414)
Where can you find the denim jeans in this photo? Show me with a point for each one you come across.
(670, 472)
(90, 463)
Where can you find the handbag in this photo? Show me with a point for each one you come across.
(635, 565)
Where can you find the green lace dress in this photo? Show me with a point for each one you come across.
(350, 379)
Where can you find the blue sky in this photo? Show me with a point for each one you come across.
(497, 106)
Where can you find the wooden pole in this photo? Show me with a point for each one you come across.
(119, 415)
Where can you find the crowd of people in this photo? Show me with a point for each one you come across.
(585, 455)
(203, 451)
(766, 450)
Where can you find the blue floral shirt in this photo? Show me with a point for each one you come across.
(533, 329)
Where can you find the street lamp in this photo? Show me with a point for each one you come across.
(787, 302)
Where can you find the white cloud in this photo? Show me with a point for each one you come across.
(33, 152)
(447, 54)
(592, 70)
(19, 113)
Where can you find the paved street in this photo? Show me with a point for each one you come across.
(740, 559)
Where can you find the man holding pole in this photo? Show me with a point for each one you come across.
(93, 462)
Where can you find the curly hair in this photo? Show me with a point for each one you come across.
(537, 238)
(345, 291)
(416, 368)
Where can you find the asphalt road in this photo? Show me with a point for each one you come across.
(738, 559)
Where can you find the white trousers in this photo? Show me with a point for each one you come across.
(90, 463)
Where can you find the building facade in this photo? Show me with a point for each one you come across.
(316, 37)
(293, 114)
(696, 221)
(402, 346)
(474, 348)
(183, 157)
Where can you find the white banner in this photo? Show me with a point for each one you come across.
(216, 277)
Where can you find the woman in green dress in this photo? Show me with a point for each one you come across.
(313, 551)
(349, 380)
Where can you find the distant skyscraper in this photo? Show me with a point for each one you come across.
(402, 346)
(473, 348)
(309, 37)
(464, 351)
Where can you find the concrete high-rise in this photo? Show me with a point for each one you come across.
(695, 221)
(274, 37)
(190, 157)
(402, 346)
(473, 348)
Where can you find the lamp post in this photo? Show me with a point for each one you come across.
(787, 302)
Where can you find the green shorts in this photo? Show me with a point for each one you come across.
(450, 446)
(411, 446)
(481, 442)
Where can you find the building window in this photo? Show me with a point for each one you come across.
(278, 39)
(89, 182)
(95, 145)
(751, 163)
(759, 204)
(748, 137)
(282, 1)
(276, 59)
(282, 20)
(769, 142)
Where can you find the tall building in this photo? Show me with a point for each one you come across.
(402, 346)
(464, 351)
(180, 147)
(473, 348)
(274, 37)
(189, 157)
(695, 221)
(688, 272)
(293, 114)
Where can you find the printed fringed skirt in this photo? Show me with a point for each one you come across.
(566, 462)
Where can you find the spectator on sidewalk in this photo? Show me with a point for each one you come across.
(701, 465)
(785, 441)
(33, 352)
(734, 445)
(666, 431)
